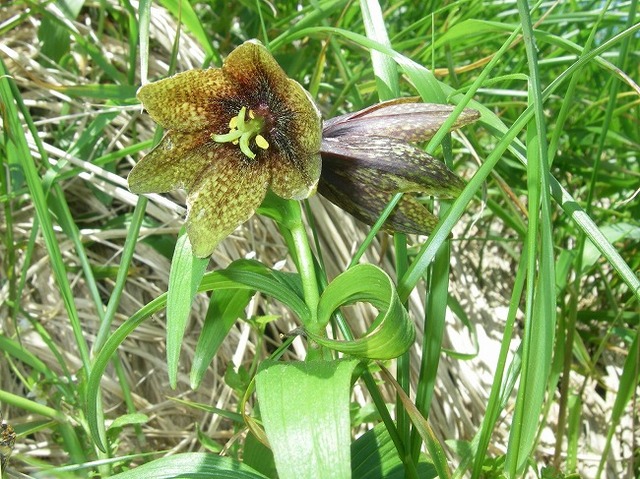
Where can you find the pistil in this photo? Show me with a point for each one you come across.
(242, 131)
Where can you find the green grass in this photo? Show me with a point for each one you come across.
(525, 297)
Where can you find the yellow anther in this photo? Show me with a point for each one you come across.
(233, 123)
(261, 142)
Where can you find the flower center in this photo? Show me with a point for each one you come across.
(243, 130)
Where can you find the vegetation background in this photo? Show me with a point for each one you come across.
(72, 129)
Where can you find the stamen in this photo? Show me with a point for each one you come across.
(240, 119)
(261, 142)
(227, 137)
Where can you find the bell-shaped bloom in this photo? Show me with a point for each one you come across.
(368, 157)
(232, 133)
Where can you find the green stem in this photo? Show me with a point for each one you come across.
(307, 271)
(403, 363)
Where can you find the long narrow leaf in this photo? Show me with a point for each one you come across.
(222, 280)
(9, 95)
(384, 67)
(185, 276)
(434, 447)
(225, 308)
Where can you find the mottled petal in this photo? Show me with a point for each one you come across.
(366, 202)
(176, 162)
(397, 119)
(294, 131)
(390, 165)
(225, 196)
(295, 180)
(410, 216)
(188, 101)
(254, 70)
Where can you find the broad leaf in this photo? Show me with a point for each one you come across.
(374, 456)
(194, 465)
(305, 412)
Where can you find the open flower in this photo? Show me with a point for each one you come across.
(367, 158)
(233, 133)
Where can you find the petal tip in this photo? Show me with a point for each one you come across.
(201, 250)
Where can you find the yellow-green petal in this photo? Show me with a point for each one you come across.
(251, 65)
(295, 180)
(295, 133)
(225, 196)
(188, 101)
(176, 162)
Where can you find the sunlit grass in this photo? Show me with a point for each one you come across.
(533, 299)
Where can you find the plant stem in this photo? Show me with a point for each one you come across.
(307, 271)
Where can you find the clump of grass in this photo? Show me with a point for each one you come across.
(533, 301)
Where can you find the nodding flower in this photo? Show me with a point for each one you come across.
(368, 157)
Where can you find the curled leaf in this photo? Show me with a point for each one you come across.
(391, 333)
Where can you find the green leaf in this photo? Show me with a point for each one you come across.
(224, 309)
(187, 15)
(384, 66)
(612, 233)
(392, 332)
(263, 281)
(195, 465)
(305, 412)
(422, 427)
(284, 287)
(540, 294)
(258, 456)
(184, 278)
(55, 35)
(278, 209)
(125, 420)
(12, 103)
(55, 39)
(629, 381)
(18, 351)
(128, 419)
(71, 8)
(207, 442)
(374, 456)
(106, 91)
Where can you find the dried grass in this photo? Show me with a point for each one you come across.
(480, 282)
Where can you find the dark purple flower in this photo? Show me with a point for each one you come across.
(368, 157)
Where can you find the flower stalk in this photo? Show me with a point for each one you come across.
(307, 271)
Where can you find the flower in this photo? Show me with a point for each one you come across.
(367, 158)
(233, 133)
(7, 441)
